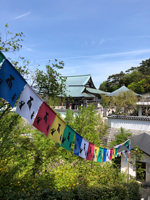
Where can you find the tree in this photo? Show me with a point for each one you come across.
(136, 78)
(121, 137)
(124, 103)
(10, 43)
(88, 123)
(50, 83)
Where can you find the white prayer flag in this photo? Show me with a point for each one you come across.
(107, 154)
(28, 104)
(84, 148)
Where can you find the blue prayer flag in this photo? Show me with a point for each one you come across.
(11, 83)
(104, 155)
(77, 145)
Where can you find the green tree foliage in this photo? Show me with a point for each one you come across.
(50, 83)
(122, 136)
(135, 78)
(105, 101)
(87, 123)
(124, 103)
(10, 42)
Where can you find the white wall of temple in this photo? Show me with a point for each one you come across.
(124, 166)
(129, 124)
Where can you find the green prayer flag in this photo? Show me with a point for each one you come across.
(127, 143)
(100, 155)
(67, 138)
(2, 57)
(116, 152)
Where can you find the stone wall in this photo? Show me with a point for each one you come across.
(114, 131)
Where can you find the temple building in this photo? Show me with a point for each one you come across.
(81, 91)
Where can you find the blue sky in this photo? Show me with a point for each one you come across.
(97, 37)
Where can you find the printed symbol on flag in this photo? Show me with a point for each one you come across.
(53, 131)
(81, 150)
(45, 117)
(99, 155)
(63, 139)
(1, 80)
(21, 104)
(38, 120)
(84, 146)
(58, 129)
(13, 97)
(9, 81)
(76, 145)
(60, 137)
(48, 128)
(94, 155)
(70, 144)
(68, 136)
(30, 102)
(32, 115)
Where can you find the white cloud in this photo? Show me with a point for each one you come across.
(20, 16)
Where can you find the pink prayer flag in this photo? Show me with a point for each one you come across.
(111, 153)
(44, 118)
(90, 151)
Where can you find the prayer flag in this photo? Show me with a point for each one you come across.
(128, 154)
(100, 155)
(2, 57)
(114, 151)
(11, 83)
(95, 156)
(28, 104)
(77, 145)
(57, 129)
(104, 155)
(90, 151)
(125, 156)
(111, 154)
(127, 143)
(44, 118)
(84, 148)
(67, 138)
(108, 155)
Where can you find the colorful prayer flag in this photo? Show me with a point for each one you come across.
(125, 156)
(28, 104)
(95, 156)
(84, 148)
(104, 155)
(111, 154)
(57, 129)
(100, 155)
(127, 144)
(11, 83)
(90, 151)
(77, 145)
(44, 118)
(114, 151)
(2, 57)
(108, 155)
(67, 138)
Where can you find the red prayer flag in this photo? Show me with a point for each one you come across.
(90, 151)
(111, 153)
(44, 118)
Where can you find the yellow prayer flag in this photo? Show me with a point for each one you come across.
(114, 151)
(57, 129)
(96, 150)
